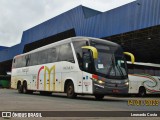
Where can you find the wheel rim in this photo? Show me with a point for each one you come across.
(24, 89)
(19, 88)
(70, 90)
(142, 92)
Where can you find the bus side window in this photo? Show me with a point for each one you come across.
(20, 62)
(131, 71)
(65, 53)
(27, 59)
(77, 46)
(14, 63)
(42, 57)
(149, 71)
(52, 54)
(157, 72)
(33, 59)
(23, 61)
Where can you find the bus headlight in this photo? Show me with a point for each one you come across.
(127, 83)
(100, 82)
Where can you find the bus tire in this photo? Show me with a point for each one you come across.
(99, 96)
(142, 92)
(20, 88)
(70, 90)
(25, 91)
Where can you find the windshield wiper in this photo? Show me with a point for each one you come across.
(120, 70)
(112, 66)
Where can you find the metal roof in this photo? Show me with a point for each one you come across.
(2, 47)
(88, 22)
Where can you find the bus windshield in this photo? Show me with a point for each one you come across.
(111, 62)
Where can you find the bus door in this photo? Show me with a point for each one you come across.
(88, 68)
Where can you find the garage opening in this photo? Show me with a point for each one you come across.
(49, 40)
(144, 44)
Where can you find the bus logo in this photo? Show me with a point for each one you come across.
(6, 114)
(47, 74)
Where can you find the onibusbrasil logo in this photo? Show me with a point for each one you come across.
(21, 114)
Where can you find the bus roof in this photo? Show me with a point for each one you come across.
(145, 64)
(68, 40)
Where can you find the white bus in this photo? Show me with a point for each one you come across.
(78, 65)
(144, 78)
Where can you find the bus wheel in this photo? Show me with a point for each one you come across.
(70, 90)
(25, 91)
(99, 97)
(142, 92)
(20, 88)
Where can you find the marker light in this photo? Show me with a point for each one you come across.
(95, 77)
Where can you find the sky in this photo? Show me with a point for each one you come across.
(17, 16)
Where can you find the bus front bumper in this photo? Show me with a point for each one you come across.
(103, 89)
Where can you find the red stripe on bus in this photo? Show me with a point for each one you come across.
(38, 76)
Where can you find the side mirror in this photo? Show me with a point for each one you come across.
(131, 55)
(93, 49)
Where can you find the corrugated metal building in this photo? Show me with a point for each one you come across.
(136, 26)
(3, 47)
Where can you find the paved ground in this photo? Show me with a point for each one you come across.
(11, 100)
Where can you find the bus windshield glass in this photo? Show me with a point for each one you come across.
(111, 62)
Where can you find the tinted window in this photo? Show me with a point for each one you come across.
(53, 54)
(33, 59)
(157, 72)
(150, 72)
(136, 71)
(27, 58)
(77, 46)
(19, 62)
(42, 57)
(65, 53)
(61, 53)
(131, 71)
(22, 61)
(14, 63)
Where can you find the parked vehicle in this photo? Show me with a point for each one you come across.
(78, 65)
(144, 78)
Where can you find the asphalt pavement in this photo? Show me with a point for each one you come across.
(11, 100)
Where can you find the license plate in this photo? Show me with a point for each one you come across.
(115, 91)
